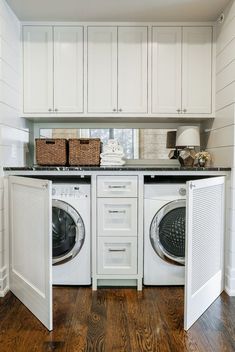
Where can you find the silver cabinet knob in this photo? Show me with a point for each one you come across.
(56, 110)
(185, 110)
(49, 110)
(178, 110)
(114, 110)
(120, 110)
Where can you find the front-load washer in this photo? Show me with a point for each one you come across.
(164, 233)
(71, 234)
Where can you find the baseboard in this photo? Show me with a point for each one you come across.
(229, 291)
(230, 281)
(4, 292)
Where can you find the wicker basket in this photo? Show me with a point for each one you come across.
(51, 151)
(84, 151)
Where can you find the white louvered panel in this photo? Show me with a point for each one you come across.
(204, 246)
(206, 236)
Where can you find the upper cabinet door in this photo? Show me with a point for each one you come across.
(30, 268)
(38, 69)
(102, 69)
(132, 69)
(68, 69)
(166, 69)
(197, 70)
(204, 246)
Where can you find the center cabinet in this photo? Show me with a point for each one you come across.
(117, 69)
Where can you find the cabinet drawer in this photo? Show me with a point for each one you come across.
(117, 186)
(117, 216)
(117, 256)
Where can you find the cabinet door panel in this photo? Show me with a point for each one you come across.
(197, 70)
(102, 69)
(38, 69)
(68, 69)
(166, 69)
(132, 69)
(30, 268)
(204, 246)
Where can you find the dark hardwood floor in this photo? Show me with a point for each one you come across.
(117, 320)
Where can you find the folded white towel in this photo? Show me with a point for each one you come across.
(112, 155)
(116, 163)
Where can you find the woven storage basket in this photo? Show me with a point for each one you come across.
(84, 151)
(51, 151)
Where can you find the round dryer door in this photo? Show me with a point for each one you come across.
(167, 232)
(68, 232)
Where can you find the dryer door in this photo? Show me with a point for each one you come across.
(68, 232)
(167, 232)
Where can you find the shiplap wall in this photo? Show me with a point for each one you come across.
(13, 132)
(220, 139)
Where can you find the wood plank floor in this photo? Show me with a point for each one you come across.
(117, 320)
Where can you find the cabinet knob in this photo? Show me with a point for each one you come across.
(114, 109)
(56, 110)
(50, 110)
(120, 110)
(178, 110)
(185, 110)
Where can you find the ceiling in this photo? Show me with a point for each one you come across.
(117, 10)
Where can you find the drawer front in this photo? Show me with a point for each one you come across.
(117, 186)
(117, 216)
(117, 256)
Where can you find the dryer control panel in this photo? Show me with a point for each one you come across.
(69, 190)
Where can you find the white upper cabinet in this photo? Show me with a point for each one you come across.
(132, 69)
(53, 69)
(166, 70)
(197, 70)
(68, 69)
(182, 70)
(102, 69)
(38, 69)
(117, 69)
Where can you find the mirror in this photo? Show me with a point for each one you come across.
(137, 143)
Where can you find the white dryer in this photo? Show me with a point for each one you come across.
(164, 233)
(71, 234)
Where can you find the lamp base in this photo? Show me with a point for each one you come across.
(173, 154)
(187, 157)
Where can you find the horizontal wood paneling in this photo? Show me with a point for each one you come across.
(225, 96)
(222, 137)
(222, 156)
(225, 57)
(225, 77)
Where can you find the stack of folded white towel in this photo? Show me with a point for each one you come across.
(112, 154)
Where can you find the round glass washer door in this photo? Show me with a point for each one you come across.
(167, 232)
(68, 232)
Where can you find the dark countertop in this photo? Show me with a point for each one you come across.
(115, 168)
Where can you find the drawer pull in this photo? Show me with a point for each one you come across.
(117, 250)
(117, 187)
(117, 211)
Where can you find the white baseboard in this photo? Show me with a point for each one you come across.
(4, 292)
(230, 281)
(229, 291)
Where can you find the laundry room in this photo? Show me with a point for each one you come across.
(117, 188)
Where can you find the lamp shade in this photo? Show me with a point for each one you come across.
(188, 136)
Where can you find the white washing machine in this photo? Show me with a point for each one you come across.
(164, 233)
(71, 234)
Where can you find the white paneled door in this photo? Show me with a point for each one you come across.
(38, 69)
(30, 266)
(204, 246)
(166, 69)
(132, 69)
(102, 69)
(68, 69)
(197, 70)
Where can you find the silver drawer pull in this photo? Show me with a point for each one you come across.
(117, 250)
(117, 211)
(118, 187)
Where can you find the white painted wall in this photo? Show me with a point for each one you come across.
(13, 132)
(220, 141)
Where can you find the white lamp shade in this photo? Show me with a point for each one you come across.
(188, 136)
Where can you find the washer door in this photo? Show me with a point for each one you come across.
(68, 232)
(167, 232)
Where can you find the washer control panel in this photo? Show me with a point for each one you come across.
(73, 191)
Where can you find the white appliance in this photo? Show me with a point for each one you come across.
(164, 233)
(71, 234)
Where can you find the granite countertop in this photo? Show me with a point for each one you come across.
(116, 168)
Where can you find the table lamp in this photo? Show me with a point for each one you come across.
(187, 137)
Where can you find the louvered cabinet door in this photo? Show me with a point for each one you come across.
(204, 246)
